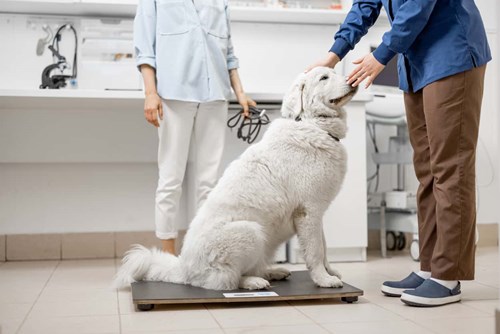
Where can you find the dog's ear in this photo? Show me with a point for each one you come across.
(293, 103)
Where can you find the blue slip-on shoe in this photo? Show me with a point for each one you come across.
(431, 293)
(396, 288)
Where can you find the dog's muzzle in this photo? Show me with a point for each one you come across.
(342, 98)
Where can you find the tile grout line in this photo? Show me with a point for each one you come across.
(213, 316)
(38, 297)
(314, 322)
(118, 302)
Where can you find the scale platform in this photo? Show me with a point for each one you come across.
(298, 286)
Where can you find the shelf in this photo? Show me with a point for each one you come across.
(127, 8)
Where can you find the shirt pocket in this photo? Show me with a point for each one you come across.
(213, 17)
(171, 17)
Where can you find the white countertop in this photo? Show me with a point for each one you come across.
(15, 94)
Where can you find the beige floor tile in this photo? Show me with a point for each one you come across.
(20, 294)
(189, 331)
(476, 325)
(10, 326)
(456, 310)
(33, 247)
(14, 310)
(257, 314)
(72, 308)
(486, 306)
(329, 312)
(476, 291)
(83, 274)
(75, 302)
(297, 329)
(171, 318)
(59, 295)
(377, 327)
(73, 325)
(126, 306)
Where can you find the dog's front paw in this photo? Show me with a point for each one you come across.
(253, 283)
(277, 274)
(327, 281)
(333, 272)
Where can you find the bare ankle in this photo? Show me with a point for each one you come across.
(168, 246)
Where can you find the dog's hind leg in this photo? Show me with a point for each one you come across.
(237, 258)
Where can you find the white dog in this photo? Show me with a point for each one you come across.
(277, 188)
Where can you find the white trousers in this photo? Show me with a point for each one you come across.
(189, 131)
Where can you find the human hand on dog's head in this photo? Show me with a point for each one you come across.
(318, 93)
(329, 61)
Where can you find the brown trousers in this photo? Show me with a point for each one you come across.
(443, 122)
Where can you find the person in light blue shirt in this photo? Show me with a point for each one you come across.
(185, 54)
(442, 53)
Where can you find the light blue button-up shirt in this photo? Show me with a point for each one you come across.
(188, 42)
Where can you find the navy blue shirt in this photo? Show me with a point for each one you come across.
(434, 38)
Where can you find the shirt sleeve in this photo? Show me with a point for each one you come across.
(408, 23)
(145, 33)
(232, 60)
(360, 18)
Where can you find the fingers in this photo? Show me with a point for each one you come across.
(360, 79)
(369, 81)
(355, 74)
(151, 116)
(246, 113)
(160, 110)
(252, 102)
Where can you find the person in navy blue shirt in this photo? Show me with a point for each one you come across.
(442, 53)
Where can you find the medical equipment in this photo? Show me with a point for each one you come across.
(56, 81)
(42, 42)
(299, 286)
(393, 212)
(249, 127)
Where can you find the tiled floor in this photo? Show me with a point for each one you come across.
(74, 297)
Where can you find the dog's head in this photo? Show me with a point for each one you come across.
(318, 95)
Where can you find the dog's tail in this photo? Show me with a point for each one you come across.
(140, 263)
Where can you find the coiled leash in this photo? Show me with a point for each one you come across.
(249, 127)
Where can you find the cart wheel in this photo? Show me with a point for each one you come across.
(349, 300)
(145, 307)
(391, 241)
(414, 250)
(401, 241)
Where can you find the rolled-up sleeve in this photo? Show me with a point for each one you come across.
(232, 60)
(145, 33)
(360, 18)
(410, 20)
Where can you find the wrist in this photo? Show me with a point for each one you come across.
(332, 59)
(150, 93)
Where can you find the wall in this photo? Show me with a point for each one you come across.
(42, 196)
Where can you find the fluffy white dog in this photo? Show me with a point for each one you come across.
(277, 188)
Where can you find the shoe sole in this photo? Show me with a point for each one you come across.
(428, 302)
(392, 292)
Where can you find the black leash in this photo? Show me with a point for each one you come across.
(249, 127)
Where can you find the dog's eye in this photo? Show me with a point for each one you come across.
(324, 77)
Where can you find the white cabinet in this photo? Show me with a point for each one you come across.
(345, 221)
